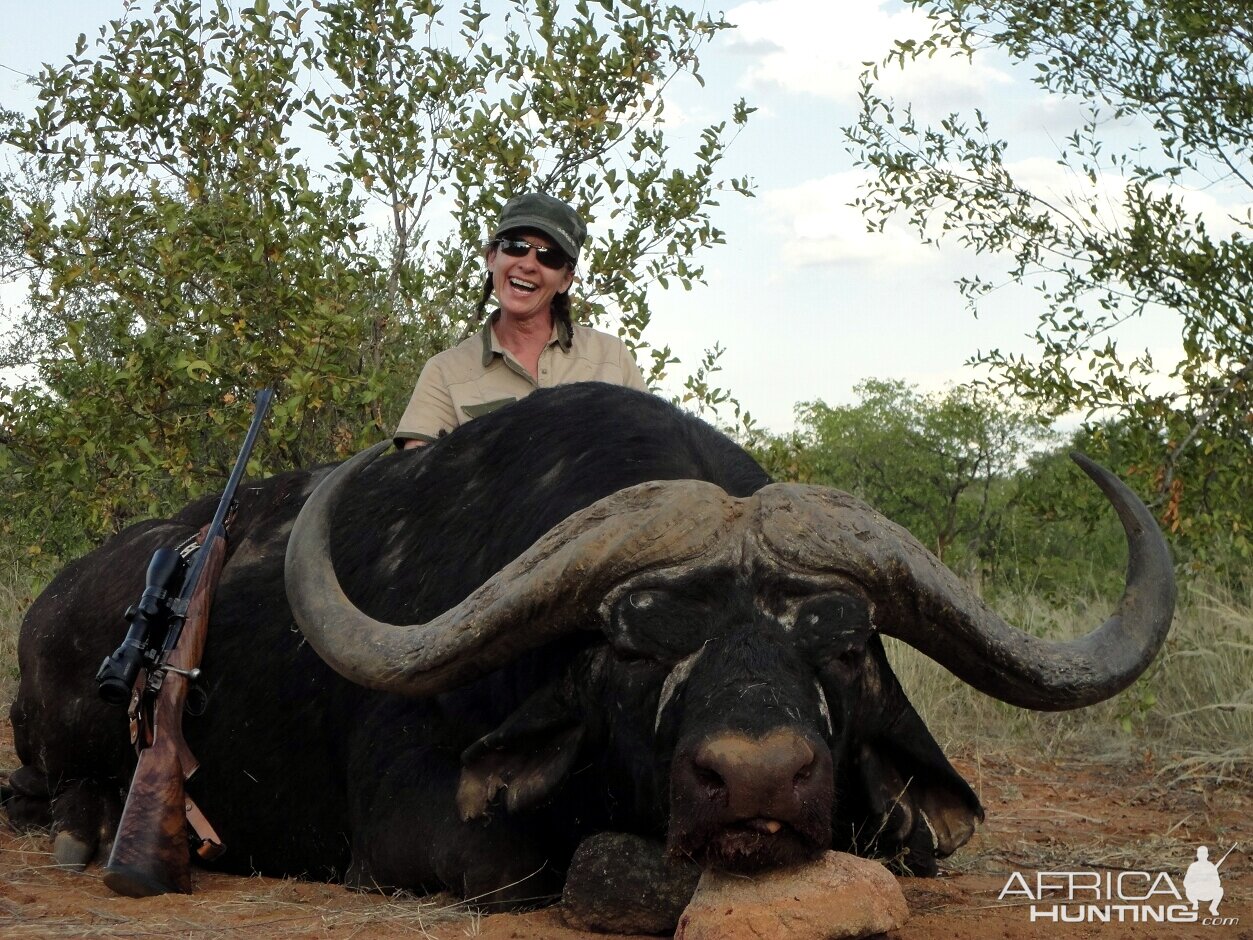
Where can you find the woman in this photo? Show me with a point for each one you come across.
(529, 342)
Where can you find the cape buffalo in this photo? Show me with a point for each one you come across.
(615, 622)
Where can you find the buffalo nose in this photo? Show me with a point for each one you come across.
(758, 778)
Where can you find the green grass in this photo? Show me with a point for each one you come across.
(1192, 710)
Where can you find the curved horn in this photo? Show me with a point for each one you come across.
(553, 588)
(920, 601)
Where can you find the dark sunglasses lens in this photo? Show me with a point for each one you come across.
(548, 257)
(551, 258)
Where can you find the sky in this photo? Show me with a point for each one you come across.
(805, 302)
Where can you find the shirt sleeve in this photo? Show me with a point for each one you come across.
(430, 410)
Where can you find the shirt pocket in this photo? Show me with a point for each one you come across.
(487, 407)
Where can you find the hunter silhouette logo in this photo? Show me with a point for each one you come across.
(1137, 897)
(1202, 883)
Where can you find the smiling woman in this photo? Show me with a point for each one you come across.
(529, 342)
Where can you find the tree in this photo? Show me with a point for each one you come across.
(212, 200)
(1183, 69)
(933, 463)
(1058, 537)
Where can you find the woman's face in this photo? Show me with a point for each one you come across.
(524, 287)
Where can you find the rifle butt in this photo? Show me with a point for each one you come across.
(151, 852)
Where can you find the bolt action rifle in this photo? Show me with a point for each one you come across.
(154, 669)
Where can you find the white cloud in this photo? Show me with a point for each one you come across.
(820, 47)
(817, 226)
(1066, 187)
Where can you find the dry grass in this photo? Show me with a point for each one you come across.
(38, 900)
(1192, 711)
(1093, 852)
(17, 590)
(290, 902)
(273, 909)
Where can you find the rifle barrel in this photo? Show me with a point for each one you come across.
(261, 405)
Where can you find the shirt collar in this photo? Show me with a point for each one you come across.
(562, 335)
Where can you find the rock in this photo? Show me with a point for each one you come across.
(837, 896)
(620, 883)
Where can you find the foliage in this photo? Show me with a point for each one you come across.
(933, 463)
(1059, 537)
(1125, 242)
(183, 246)
(983, 482)
(787, 458)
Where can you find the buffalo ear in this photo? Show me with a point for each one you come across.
(525, 767)
(525, 759)
(952, 812)
(922, 804)
(913, 806)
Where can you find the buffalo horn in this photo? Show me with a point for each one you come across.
(921, 602)
(553, 588)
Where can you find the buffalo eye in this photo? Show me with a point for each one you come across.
(833, 628)
(660, 624)
(642, 600)
(850, 657)
(630, 639)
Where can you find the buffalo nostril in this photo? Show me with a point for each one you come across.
(710, 780)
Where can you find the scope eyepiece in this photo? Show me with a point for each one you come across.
(116, 676)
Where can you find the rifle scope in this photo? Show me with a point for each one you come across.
(116, 676)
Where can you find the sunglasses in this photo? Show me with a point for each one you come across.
(553, 258)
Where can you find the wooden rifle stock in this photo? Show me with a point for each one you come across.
(151, 851)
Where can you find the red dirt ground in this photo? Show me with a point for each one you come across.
(1065, 815)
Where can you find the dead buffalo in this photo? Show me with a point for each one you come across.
(615, 622)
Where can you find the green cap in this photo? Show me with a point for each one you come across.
(545, 214)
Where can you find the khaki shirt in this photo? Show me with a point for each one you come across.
(478, 376)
